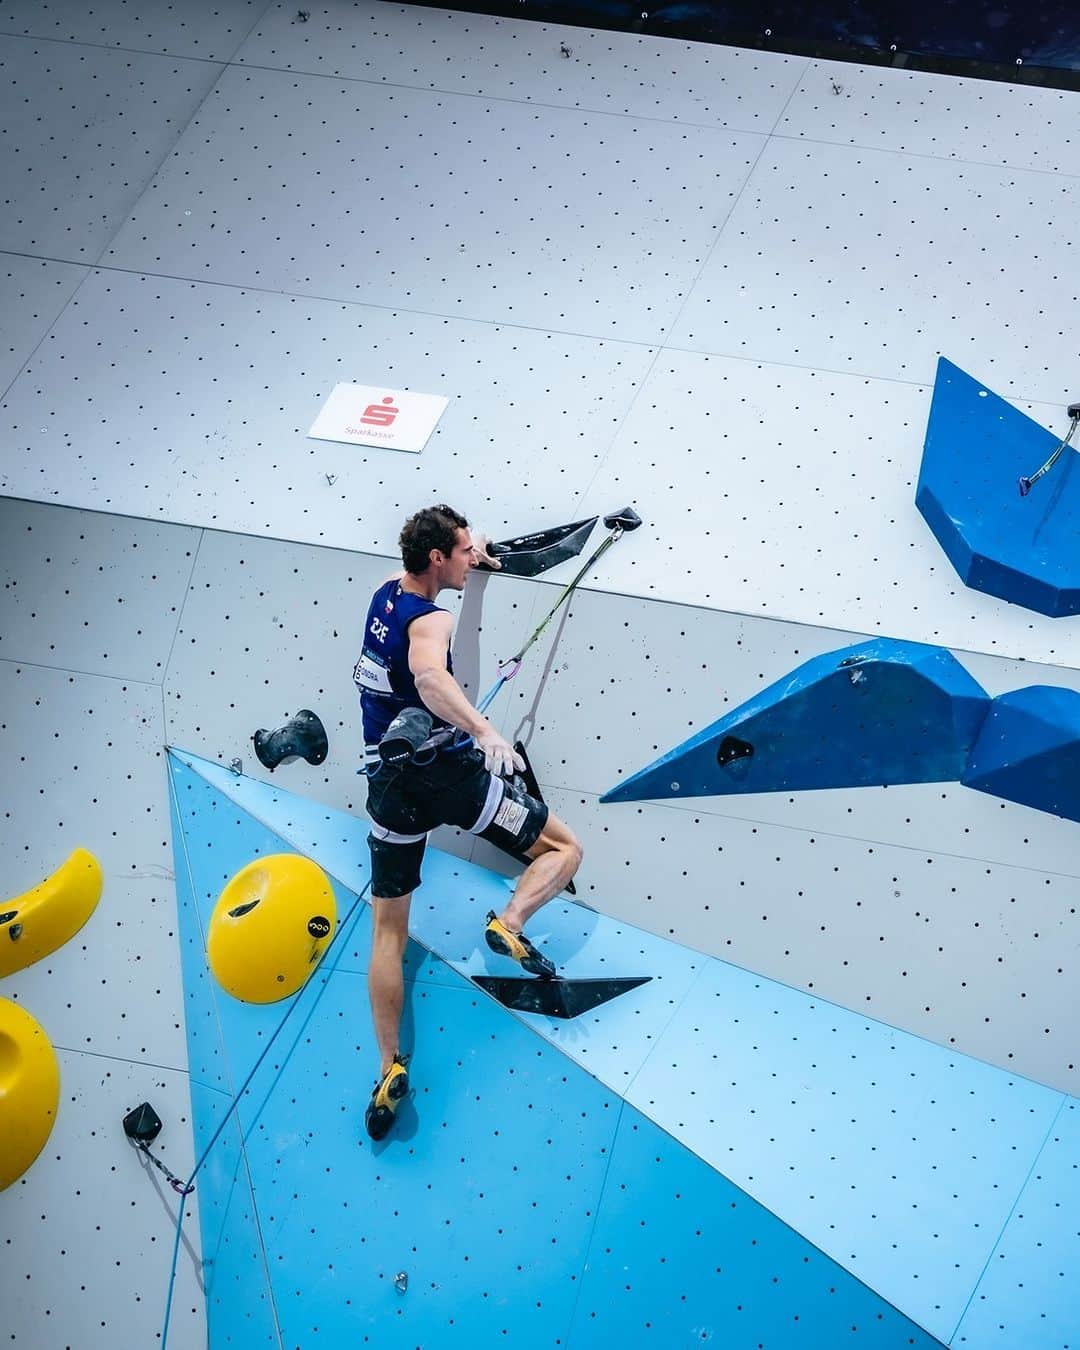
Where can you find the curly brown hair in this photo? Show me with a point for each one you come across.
(433, 527)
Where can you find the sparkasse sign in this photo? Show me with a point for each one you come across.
(362, 414)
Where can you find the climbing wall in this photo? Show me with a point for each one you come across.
(709, 281)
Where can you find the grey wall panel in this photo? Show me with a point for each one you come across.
(981, 958)
(89, 1226)
(269, 628)
(188, 402)
(387, 198)
(979, 121)
(86, 769)
(484, 56)
(86, 130)
(32, 293)
(91, 593)
(208, 31)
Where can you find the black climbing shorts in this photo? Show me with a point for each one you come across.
(454, 789)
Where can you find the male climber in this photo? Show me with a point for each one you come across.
(464, 779)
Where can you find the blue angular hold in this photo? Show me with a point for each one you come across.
(1029, 750)
(877, 713)
(1021, 549)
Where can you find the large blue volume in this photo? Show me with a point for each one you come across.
(520, 1201)
(1029, 750)
(880, 712)
(1022, 549)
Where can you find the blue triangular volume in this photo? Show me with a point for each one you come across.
(799, 1169)
(1029, 750)
(1022, 549)
(880, 712)
(501, 1195)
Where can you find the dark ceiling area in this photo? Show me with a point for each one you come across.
(989, 39)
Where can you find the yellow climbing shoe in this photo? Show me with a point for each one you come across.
(518, 948)
(389, 1090)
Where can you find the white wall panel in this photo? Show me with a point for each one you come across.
(177, 401)
(85, 130)
(208, 31)
(980, 121)
(819, 272)
(875, 262)
(525, 61)
(32, 293)
(441, 203)
(88, 1229)
(88, 771)
(91, 593)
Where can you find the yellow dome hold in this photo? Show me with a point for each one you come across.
(36, 923)
(29, 1090)
(270, 927)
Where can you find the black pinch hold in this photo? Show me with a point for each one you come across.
(142, 1126)
(302, 737)
(731, 750)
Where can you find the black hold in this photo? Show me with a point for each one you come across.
(530, 554)
(302, 15)
(304, 737)
(566, 51)
(856, 660)
(731, 750)
(626, 520)
(560, 998)
(532, 787)
(143, 1124)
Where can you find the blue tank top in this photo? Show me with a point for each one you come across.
(382, 675)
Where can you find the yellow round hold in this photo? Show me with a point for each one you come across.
(36, 923)
(270, 927)
(29, 1090)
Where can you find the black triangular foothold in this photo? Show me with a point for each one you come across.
(530, 554)
(556, 998)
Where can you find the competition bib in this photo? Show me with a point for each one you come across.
(371, 675)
